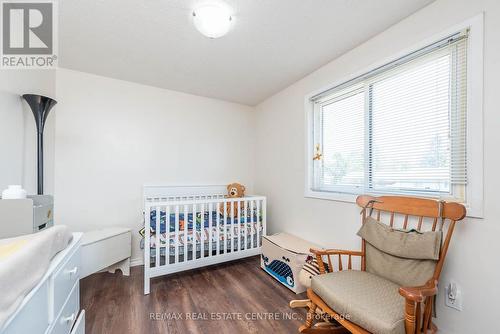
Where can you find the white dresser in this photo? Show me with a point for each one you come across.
(53, 305)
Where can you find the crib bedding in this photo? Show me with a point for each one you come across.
(229, 225)
(250, 217)
(231, 230)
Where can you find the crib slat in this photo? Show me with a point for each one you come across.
(239, 225)
(185, 233)
(232, 226)
(245, 217)
(392, 219)
(167, 235)
(147, 259)
(176, 237)
(202, 231)
(225, 229)
(264, 218)
(258, 223)
(210, 209)
(176, 240)
(157, 235)
(252, 205)
(193, 239)
(217, 219)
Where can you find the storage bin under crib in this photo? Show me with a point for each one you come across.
(191, 227)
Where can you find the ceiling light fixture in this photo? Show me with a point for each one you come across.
(212, 20)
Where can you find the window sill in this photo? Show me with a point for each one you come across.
(472, 212)
(331, 196)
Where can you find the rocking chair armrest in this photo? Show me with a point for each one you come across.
(335, 252)
(419, 293)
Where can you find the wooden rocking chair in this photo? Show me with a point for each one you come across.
(369, 300)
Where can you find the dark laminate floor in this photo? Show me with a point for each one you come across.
(196, 301)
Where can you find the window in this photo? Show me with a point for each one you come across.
(398, 129)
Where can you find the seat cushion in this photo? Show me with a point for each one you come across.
(365, 299)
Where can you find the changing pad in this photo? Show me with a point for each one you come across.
(23, 262)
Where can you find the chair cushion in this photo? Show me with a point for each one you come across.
(409, 244)
(404, 272)
(365, 299)
(405, 257)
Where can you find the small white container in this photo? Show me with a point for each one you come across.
(14, 192)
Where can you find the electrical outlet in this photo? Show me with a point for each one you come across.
(453, 296)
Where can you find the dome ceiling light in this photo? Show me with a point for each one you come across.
(212, 19)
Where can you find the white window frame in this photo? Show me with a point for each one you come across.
(474, 188)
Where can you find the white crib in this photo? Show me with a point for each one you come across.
(198, 226)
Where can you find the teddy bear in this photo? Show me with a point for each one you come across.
(234, 190)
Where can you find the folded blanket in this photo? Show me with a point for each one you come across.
(23, 262)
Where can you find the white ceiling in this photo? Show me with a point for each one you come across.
(272, 43)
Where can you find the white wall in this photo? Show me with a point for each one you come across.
(114, 136)
(280, 168)
(16, 117)
(11, 139)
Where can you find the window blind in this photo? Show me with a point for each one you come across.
(343, 162)
(398, 129)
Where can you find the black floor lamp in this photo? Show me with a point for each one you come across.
(40, 106)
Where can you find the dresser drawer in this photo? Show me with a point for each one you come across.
(33, 317)
(64, 280)
(69, 313)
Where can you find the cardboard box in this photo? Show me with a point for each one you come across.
(283, 256)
